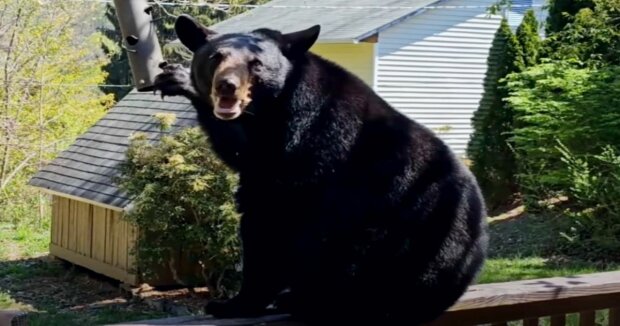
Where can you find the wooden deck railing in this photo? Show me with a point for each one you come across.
(531, 300)
(500, 303)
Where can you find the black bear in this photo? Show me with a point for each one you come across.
(352, 212)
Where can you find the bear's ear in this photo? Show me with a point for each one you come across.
(298, 43)
(191, 33)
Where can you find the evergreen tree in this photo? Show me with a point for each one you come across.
(489, 148)
(119, 72)
(529, 39)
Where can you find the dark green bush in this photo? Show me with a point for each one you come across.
(594, 228)
(561, 12)
(183, 203)
(556, 102)
(591, 39)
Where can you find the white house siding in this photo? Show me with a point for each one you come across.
(432, 66)
(519, 7)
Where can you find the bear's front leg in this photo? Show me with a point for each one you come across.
(264, 271)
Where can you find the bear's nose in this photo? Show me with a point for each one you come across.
(226, 87)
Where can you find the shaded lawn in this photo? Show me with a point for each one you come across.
(523, 248)
(54, 292)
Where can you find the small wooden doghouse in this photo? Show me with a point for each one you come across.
(87, 226)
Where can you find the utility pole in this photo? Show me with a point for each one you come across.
(140, 41)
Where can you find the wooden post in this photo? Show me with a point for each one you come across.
(558, 320)
(587, 318)
(614, 316)
(140, 41)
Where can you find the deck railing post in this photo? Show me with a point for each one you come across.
(614, 316)
(587, 318)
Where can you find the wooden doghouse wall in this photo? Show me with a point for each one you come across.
(93, 237)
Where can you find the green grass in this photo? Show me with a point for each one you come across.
(524, 249)
(6, 302)
(19, 243)
(525, 268)
(24, 240)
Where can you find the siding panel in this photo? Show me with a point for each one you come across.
(433, 66)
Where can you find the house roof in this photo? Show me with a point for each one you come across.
(342, 21)
(87, 168)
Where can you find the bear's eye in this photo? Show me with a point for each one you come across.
(216, 56)
(255, 64)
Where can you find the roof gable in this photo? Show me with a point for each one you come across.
(342, 21)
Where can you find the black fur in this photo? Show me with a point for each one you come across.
(363, 214)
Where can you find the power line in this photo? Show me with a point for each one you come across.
(228, 6)
(94, 85)
(199, 4)
(39, 84)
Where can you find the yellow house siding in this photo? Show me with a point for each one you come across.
(357, 58)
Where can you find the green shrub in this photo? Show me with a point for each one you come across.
(577, 108)
(183, 202)
(594, 228)
(554, 101)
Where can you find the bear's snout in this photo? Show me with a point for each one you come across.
(230, 92)
(227, 87)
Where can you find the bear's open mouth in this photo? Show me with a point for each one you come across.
(228, 107)
(227, 102)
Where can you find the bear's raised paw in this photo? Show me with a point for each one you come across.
(175, 80)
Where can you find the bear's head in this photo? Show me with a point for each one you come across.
(230, 71)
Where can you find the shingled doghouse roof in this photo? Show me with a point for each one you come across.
(87, 168)
(342, 21)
